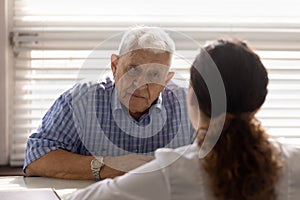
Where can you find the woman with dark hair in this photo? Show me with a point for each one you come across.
(243, 163)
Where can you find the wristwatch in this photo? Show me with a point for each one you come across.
(96, 165)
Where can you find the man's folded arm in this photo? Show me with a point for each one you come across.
(61, 164)
(67, 165)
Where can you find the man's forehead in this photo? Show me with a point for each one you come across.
(148, 56)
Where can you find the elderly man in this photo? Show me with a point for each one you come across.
(101, 130)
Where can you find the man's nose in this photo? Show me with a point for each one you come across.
(140, 82)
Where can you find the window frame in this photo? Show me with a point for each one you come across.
(5, 61)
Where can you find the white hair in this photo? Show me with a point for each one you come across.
(143, 37)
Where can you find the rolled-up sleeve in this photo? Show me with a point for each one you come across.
(57, 131)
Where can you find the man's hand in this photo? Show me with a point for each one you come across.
(118, 165)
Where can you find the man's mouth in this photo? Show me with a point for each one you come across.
(137, 96)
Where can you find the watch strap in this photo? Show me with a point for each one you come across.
(96, 169)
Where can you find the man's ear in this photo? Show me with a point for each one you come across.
(169, 77)
(114, 59)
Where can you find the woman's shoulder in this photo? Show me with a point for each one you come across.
(287, 148)
(183, 171)
(168, 156)
(289, 181)
(187, 151)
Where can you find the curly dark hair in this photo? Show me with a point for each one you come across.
(243, 164)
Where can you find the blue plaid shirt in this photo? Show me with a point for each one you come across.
(90, 120)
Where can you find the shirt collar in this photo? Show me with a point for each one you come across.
(116, 104)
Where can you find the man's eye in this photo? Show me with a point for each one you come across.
(154, 75)
(134, 70)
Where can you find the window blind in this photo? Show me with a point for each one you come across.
(58, 43)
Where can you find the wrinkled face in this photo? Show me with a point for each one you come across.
(140, 76)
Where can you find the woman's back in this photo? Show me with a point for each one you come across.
(188, 180)
(178, 174)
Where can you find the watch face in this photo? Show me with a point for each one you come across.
(96, 163)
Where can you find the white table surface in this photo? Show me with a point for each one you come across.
(62, 187)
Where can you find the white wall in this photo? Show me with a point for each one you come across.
(4, 147)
